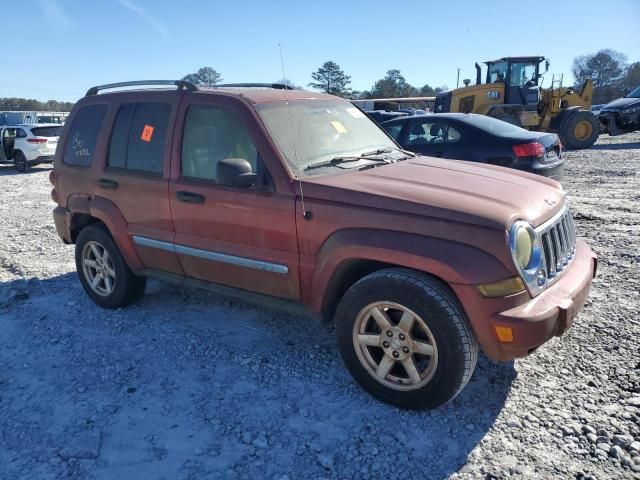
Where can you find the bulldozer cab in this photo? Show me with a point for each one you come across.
(521, 77)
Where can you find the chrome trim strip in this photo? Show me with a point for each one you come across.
(549, 223)
(213, 256)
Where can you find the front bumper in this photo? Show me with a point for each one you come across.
(533, 321)
(617, 122)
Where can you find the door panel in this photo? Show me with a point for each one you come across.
(241, 237)
(136, 176)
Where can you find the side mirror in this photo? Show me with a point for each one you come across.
(546, 66)
(235, 172)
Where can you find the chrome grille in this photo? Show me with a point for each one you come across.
(558, 243)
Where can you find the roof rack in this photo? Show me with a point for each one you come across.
(181, 84)
(277, 86)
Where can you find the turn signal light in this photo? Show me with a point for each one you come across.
(529, 150)
(502, 288)
(505, 334)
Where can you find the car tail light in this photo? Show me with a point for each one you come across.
(37, 140)
(529, 150)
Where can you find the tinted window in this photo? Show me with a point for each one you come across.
(433, 132)
(83, 135)
(493, 125)
(393, 130)
(212, 134)
(20, 133)
(46, 131)
(139, 137)
(635, 93)
(120, 137)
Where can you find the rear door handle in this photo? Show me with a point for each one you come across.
(106, 183)
(190, 197)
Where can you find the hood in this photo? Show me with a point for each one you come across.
(468, 192)
(621, 104)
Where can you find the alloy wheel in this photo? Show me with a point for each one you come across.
(98, 268)
(395, 346)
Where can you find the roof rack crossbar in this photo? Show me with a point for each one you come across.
(181, 84)
(278, 86)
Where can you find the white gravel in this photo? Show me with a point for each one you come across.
(185, 384)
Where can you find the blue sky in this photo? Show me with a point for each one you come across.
(70, 45)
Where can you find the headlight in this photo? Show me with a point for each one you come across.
(523, 247)
(526, 251)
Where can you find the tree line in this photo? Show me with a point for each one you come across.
(330, 78)
(612, 77)
(30, 105)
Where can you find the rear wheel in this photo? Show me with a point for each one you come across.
(405, 339)
(579, 129)
(20, 161)
(104, 274)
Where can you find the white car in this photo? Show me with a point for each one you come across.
(28, 145)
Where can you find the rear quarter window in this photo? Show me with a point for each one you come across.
(83, 135)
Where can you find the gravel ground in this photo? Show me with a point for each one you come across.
(185, 384)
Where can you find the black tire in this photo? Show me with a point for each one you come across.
(437, 307)
(575, 121)
(127, 287)
(20, 161)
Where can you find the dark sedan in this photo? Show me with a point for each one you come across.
(622, 115)
(478, 138)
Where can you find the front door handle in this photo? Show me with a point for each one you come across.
(190, 197)
(107, 183)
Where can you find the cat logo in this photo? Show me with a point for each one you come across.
(493, 94)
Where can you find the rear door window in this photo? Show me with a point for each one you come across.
(139, 135)
(83, 135)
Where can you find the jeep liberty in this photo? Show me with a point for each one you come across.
(270, 193)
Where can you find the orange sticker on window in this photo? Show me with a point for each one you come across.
(147, 133)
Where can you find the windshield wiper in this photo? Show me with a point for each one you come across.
(407, 153)
(346, 159)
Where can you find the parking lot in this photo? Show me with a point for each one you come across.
(186, 384)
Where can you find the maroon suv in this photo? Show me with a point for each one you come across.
(265, 192)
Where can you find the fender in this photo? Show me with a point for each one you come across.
(105, 211)
(557, 120)
(452, 262)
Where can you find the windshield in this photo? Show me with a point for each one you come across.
(493, 125)
(312, 131)
(635, 93)
(521, 73)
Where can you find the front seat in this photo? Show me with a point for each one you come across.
(437, 134)
(418, 132)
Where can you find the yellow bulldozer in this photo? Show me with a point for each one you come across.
(513, 92)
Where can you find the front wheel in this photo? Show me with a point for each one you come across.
(579, 129)
(405, 339)
(104, 274)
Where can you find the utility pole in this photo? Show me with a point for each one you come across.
(458, 79)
